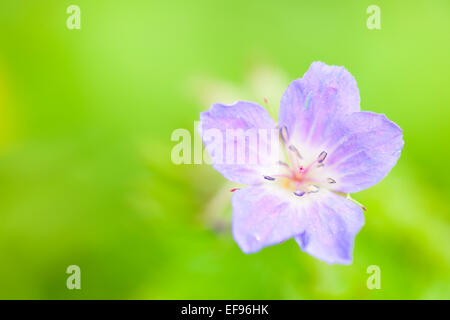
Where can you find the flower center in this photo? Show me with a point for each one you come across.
(298, 177)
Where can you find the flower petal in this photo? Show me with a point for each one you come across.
(332, 223)
(362, 149)
(311, 103)
(255, 137)
(324, 224)
(264, 216)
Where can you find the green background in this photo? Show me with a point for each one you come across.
(86, 118)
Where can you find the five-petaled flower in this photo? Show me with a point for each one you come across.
(331, 149)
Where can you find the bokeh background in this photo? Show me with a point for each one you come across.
(86, 118)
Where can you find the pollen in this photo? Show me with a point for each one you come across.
(286, 183)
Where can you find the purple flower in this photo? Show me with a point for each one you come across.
(330, 149)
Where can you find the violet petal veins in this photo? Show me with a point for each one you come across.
(300, 172)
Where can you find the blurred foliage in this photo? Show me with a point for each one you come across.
(85, 123)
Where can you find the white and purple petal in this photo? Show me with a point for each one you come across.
(265, 215)
(363, 148)
(260, 155)
(312, 103)
(324, 224)
(332, 223)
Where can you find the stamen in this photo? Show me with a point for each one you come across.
(269, 178)
(299, 193)
(321, 157)
(356, 202)
(320, 165)
(331, 180)
(284, 134)
(284, 164)
(235, 189)
(295, 150)
(313, 188)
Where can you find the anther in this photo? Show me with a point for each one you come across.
(331, 180)
(284, 134)
(284, 164)
(269, 178)
(321, 157)
(313, 188)
(295, 150)
(299, 193)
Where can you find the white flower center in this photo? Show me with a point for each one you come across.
(297, 176)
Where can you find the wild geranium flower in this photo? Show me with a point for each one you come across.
(330, 148)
